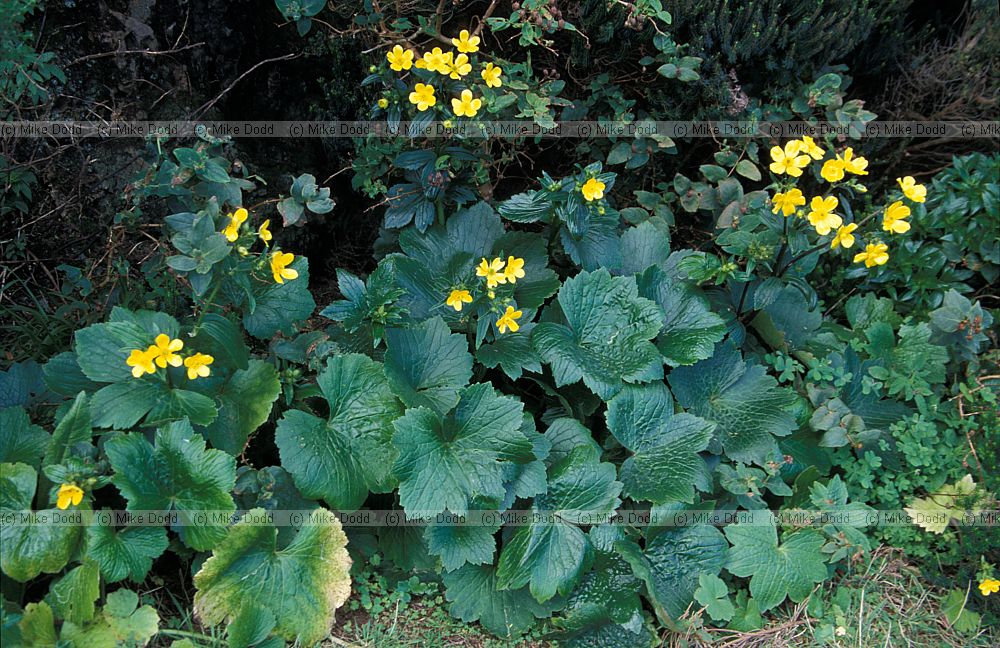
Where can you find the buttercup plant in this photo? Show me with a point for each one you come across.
(794, 158)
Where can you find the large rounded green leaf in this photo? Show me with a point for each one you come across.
(447, 461)
(748, 406)
(672, 562)
(606, 338)
(31, 545)
(339, 460)
(427, 364)
(302, 584)
(176, 474)
(665, 462)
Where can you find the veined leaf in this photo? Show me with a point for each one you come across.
(30, 549)
(339, 460)
(689, 329)
(125, 553)
(302, 584)
(665, 462)
(279, 307)
(605, 340)
(176, 474)
(776, 571)
(672, 563)
(246, 398)
(73, 428)
(746, 404)
(20, 441)
(427, 364)
(122, 622)
(475, 597)
(445, 461)
(73, 596)
(550, 556)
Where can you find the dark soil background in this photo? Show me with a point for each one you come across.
(234, 60)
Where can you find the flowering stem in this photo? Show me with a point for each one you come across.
(798, 257)
(204, 307)
(795, 259)
(743, 296)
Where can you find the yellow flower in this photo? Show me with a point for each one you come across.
(197, 365)
(844, 237)
(822, 217)
(383, 103)
(593, 189)
(279, 266)
(232, 230)
(514, 269)
(264, 233)
(855, 165)
(466, 106)
(422, 96)
(810, 147)
(447, 123)
(399, 59)
(166, 351)
(68, 494)
(874, 254)
(989, 586)
(465, 43)
(833, 170)
(491, 270)
(893, 220)
(142, 362)
(787, 202)
(458, 67)
(508, 320)
(787, 160)
(491, 75)
(433, 60)
(457, 298)
(912, 190)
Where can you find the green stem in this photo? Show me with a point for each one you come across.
(440, 211)
(189, 635)
(784, 240)
(205, 306)
(795, 259)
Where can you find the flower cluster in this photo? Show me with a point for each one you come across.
(796, 155)
(495, 273)
(450, 65)
(235, 222)
(989, 586)
(163, 352)
(279, 261)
